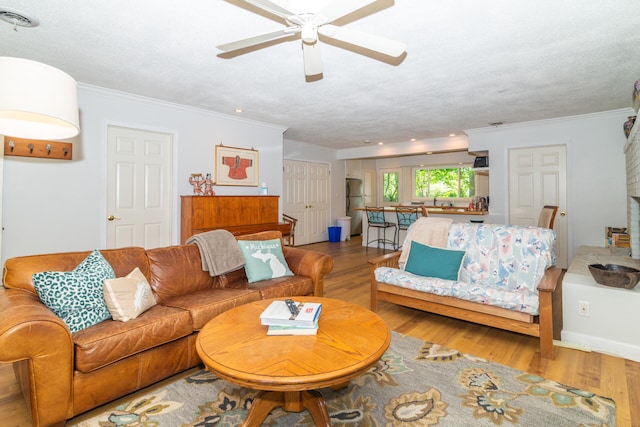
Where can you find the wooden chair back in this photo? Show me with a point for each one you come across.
(290, 240)
(547, 216)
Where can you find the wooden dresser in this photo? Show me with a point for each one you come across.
(238, 214)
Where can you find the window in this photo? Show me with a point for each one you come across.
(452, 182)
(390, 186)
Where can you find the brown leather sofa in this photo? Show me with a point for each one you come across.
(64, 374)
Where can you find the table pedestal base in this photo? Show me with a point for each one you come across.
(291, 401)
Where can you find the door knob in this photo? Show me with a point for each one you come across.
(563, 213)
(111, 218)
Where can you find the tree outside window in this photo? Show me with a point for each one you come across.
(390, 186)
(444, 182)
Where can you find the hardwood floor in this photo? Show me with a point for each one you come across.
(599, 373)
(602, 374)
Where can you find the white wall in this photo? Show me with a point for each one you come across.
(52, 206)
(295, 150)
(596, 187)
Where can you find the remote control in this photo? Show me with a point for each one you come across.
(292, 307)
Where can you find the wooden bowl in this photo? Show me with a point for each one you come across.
(617, 276)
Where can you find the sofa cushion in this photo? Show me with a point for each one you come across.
(128, 297)
(18, 271)
(177, 270)
(284, 287)
(263, 259)
(519, 300)
(76, 296)
(428, 261)
(206, 304)
(110, 341)
(505, 256)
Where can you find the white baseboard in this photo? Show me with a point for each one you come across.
(573, 346)
(600, 345)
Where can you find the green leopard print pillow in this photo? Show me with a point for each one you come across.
(77, 296)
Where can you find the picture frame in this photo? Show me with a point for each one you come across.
(236, 166)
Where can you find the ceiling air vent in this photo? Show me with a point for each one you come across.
(17, 18)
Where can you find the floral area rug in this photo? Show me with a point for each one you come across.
(415, 383)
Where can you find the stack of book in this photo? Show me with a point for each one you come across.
(291, 318)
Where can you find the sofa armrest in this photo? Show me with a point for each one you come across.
(550, 317)
(41, 342)
(388, 260)
(304, 262)
(550, 280)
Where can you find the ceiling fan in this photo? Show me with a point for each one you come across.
(310, 24)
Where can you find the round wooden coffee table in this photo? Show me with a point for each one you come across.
(289, 369)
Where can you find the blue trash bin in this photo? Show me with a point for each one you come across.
(334, 234)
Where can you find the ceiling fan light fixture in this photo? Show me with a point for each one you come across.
(309, 33)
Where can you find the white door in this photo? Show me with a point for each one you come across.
(139, 190)
(306, 197)
(294, 197)
(538, 177)
(317, 202)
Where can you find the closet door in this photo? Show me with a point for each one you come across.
(538, 177)
(306, 197)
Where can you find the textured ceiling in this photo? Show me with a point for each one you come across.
(468, 62)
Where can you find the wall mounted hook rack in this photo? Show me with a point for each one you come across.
(36, 148)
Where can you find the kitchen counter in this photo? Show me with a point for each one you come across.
(445, 210)
(457, 214)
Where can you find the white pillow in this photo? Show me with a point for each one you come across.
(128, 297)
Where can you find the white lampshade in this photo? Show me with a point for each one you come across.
(37, 101)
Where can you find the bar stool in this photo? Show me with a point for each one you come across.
(375, 219)
(406, 216)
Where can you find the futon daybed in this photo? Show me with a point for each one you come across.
(504, 277)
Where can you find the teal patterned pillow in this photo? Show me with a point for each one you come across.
(263, 259)
(77, 296)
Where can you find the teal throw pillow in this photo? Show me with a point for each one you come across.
(434, 262)
(77, 296)
(263, 259)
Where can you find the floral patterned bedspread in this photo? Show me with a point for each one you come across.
(502, 266)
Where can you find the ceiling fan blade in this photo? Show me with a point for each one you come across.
(312, 59)
(252, 41)
(339, 8)
(271, 7)
(368, 41)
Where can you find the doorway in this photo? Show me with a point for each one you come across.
(139, 188)
(538, 177)
(306, 198)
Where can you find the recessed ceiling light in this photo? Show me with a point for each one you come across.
(366, 141)
(452, 134)
(413, 140)
(239, 110)
(380, 143)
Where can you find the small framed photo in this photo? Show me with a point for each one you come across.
(236, 166)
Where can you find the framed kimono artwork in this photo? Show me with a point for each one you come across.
(236, 166)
